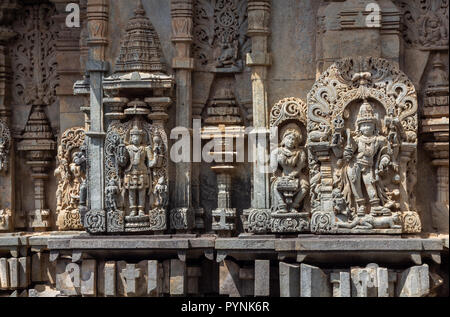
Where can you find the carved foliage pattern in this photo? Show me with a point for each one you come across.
(34, 56)
(337, 88)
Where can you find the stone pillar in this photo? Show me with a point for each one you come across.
(6, 141)
(435, 131)
(97, 14)
(259, 60)
(67, 50)
(183, 64)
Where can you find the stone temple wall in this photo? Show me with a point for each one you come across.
(349, 199)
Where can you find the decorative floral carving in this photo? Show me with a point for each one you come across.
(94, 221)
(33, 56)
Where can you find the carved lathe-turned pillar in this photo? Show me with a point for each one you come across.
(182, 216)
(39, 145)
(97, 14)
(259, 60)
(7, 9)
(435, 130)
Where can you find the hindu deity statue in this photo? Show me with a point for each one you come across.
(137, 159)
(365, 161)
(289, 183)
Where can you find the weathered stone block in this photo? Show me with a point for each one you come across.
(68, 278)
(313, 282)
(341, 284)
(131, 279)
(13, 264)
(289, 280)
(414, 282)
(4, 274)
(24, 272)
(178, 277)
(229, 281)
(262, 278)
(155, 278)
(106, 284)
(364, 281)
(89, 278)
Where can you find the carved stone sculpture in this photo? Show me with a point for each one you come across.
(136, 175)
(426, 23)
(71, 177)
(38, 144)
(363, 167)
(220, 40)
(5, 144)
(289, 190)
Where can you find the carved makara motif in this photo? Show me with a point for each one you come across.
(71, 176)
(220, 28)
(426, 23)
(362, 139)
(5, 145)
(33, 56)
(136, 176)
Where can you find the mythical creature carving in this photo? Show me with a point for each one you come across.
(71, 175)
(360, 169)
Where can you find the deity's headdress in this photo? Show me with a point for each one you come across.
(136, 131)
(365, 114)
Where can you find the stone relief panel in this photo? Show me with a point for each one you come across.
(33, 56)
(136, 195)
(289, 184)
(426, 23)
(71, 179)
(220, 41)
(362, 138)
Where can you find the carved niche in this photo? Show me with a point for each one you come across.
(71, 176)
(289, 184)
(136, 146)
(136, 196)
(425, 23)
(220, 41)
(362, 140)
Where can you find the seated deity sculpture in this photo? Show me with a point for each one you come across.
(137, 159)
(289, 184)
(365, 162)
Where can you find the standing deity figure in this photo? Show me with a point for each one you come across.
(364, 160)
(137, 160)
(289, 184)
(80, 161)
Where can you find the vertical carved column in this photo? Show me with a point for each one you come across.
(7, 9)
(182, 216)
(259, 61)
(435, 130)
(97, 13)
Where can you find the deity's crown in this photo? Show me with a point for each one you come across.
(136, 131)
(365, 114)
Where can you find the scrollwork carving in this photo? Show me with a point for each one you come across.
(5, 145)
